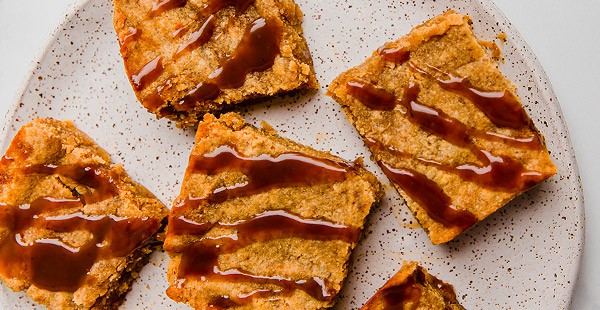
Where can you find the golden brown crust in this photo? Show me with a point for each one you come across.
(292, 69)
(444, 44)
(60, 143)
(422, 291)
(345, 203)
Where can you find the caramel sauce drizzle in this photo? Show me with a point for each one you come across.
(497, 172)
(51, 263)
(132, 35)
(432, 118)
(202, 91)
(428, 194)
(398, 55)
(399, 295)
(148, 74)
(411, 290)
(263, 172)
(200, 260)
(179, 31)
(100, 179)
(199, 37)
(256, 53)
(501, 107)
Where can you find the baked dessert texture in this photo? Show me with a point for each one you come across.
(75, 229)
(263, 222)
(445, 125)
(413, 288)
(187, 58)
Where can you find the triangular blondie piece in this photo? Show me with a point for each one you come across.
(414, 288)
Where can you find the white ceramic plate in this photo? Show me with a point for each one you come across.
(525, 256)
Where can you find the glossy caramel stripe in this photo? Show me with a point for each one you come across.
(52, 264)
(263, 172)
(200, 260)
(498, 172)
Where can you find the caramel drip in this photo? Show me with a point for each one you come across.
(199, 37)
(153, 101)
(132, 35)
(162, 6)
(255, 53)
(200, 260)
(501, 107)
(148, 74)
(400, 295)
(202, 91)
(408, 294)
(372, 97)
(432, 119)
(51, 263)
(180, 225)
(430, 196)
(179, 31)
(263, 172)
(270, 225)
(497, 172)
(6, 160)
(98, 178)
(394, 54)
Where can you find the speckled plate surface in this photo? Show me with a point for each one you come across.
(525, 256)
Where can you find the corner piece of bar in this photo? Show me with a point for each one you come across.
(445, 125)
(187, 58)
(75, 229)
(263, 222)
(413, 288)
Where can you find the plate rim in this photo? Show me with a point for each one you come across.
(533, 61)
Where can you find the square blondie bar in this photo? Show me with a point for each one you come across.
(186, 58)
(444, 125)
(263, 222)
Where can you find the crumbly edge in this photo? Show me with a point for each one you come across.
(115, 296)
(408, 269)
